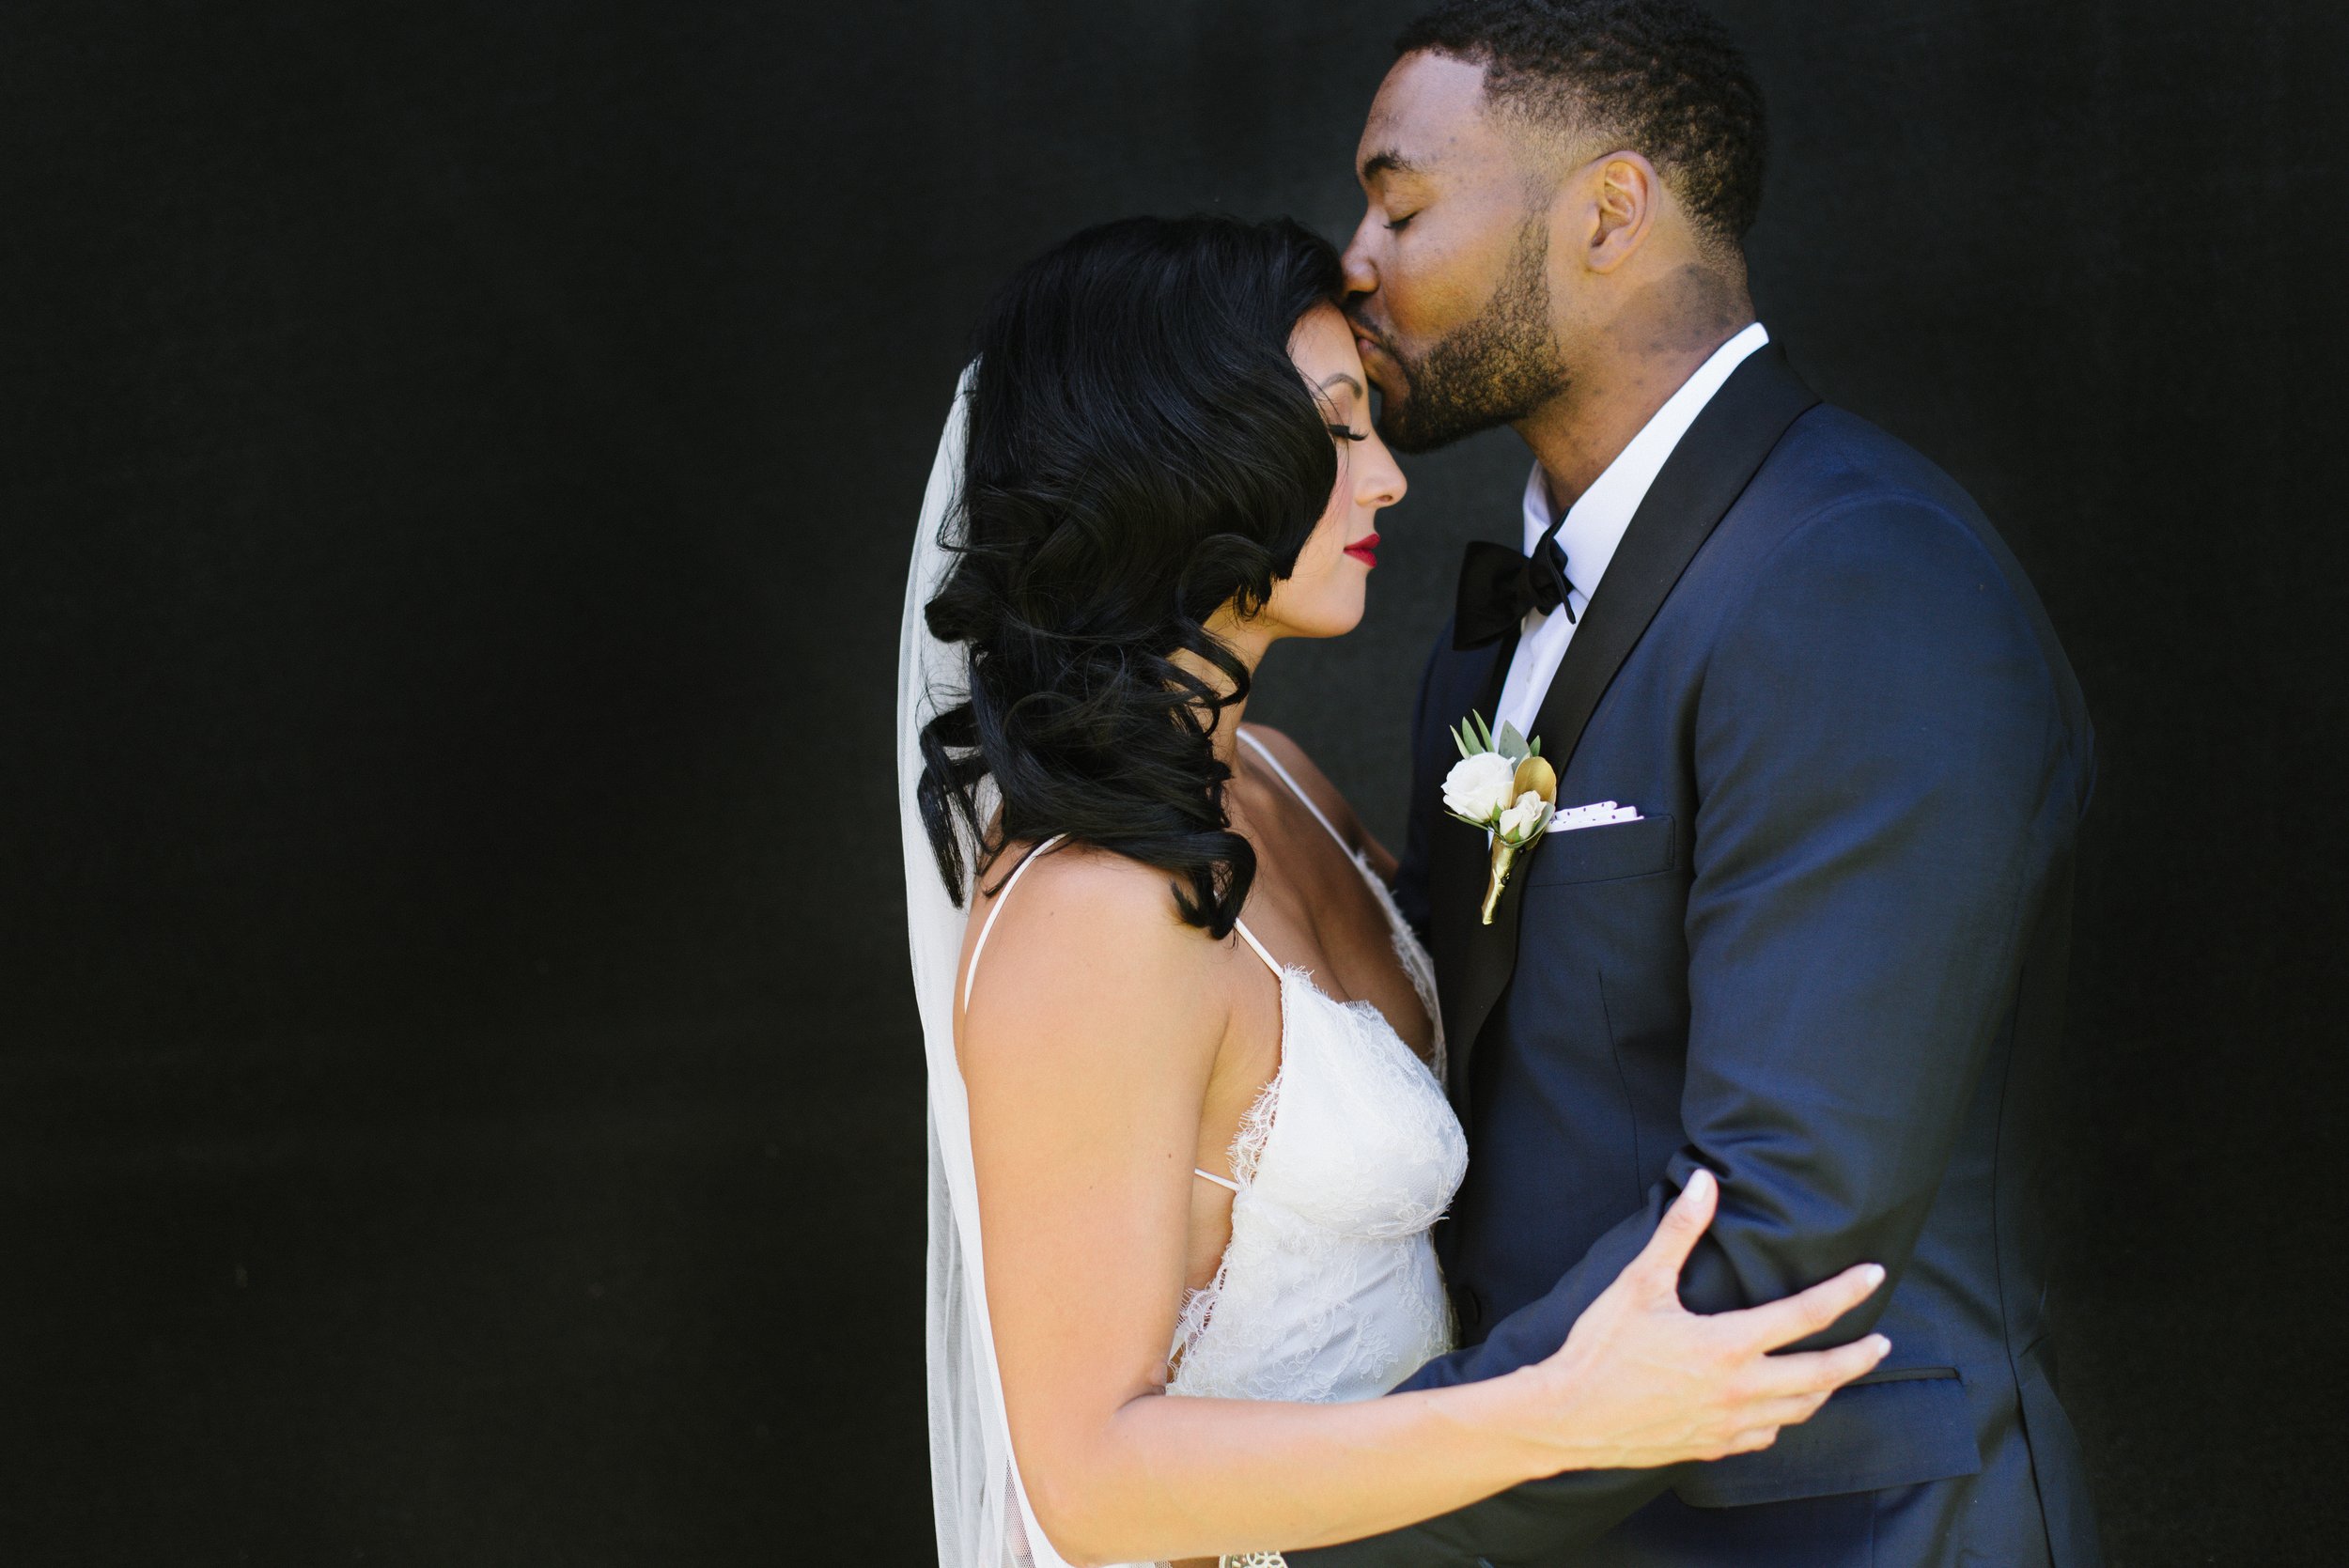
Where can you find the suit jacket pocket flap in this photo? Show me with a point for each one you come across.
(1910, 1428)
(1602, 854)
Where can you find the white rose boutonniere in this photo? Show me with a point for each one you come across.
(1479, 786)
(1501, 784)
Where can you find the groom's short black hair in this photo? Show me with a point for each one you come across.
(1656, 77)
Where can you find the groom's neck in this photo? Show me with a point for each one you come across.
(1632, 365)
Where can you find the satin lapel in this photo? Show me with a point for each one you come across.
(1718, 456)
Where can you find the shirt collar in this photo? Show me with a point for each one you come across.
(1595, 523)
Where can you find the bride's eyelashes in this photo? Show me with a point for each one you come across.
(1347, 433)
(1396, 226)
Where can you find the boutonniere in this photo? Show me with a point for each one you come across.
(1501, 784)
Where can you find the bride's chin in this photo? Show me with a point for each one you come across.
(1338, 624)
(1325, 605)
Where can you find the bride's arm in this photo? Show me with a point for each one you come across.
(1093, 1033)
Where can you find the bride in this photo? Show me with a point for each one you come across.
(1188, 1132)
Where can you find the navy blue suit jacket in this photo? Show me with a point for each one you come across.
(1828, 965)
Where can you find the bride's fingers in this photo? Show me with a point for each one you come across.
(1659, 1262)
(1805, 1312)
(1817, 1371)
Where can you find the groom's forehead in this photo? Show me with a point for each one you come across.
(1429, 117)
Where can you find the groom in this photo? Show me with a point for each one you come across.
(1827, 960)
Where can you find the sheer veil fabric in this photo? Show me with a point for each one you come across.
(983, 1516)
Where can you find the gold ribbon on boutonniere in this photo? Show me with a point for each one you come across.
(1501, 784)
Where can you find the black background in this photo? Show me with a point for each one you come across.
(461, 1102)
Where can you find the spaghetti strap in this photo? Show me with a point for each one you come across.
(1272, 762)
(987, 928)
(1269, 961)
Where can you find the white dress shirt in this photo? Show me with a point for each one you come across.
(1595, 525)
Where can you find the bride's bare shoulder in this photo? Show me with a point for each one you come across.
(1088, 943)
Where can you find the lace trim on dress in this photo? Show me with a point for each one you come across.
(1255, 1126)
(1417, 966)
(1247, 1148)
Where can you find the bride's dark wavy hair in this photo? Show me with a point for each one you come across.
(1143, 452)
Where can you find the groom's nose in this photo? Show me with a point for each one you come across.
(1361, 276)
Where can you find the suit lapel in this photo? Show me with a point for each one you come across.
(1724, 447)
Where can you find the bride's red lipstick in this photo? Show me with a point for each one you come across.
(1365, 549)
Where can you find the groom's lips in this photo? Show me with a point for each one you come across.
(1365, 549)
(1384, 370)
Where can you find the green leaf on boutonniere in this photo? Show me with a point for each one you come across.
(1512, 744)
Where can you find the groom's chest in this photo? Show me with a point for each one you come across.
(1602, 911)
(1638, 750)
(1601, 961)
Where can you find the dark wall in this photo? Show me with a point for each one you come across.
(460, 1102)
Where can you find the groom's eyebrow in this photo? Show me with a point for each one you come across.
(1387, 162)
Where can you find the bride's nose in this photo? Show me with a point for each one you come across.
(1380, 482)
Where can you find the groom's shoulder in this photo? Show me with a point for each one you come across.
(1837, 486)
(1845, 522)
(1832, 459)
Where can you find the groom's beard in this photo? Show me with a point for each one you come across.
(1496, 370)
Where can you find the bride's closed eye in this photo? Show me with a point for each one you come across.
(1347, 433)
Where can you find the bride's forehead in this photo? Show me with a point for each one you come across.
(1323, 344)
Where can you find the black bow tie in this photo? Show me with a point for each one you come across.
(1499, 587)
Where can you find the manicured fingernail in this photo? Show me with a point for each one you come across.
(1874, 1274)
(1884, 1346)
(1698, 1180)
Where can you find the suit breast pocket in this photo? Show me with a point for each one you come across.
(1608, 854)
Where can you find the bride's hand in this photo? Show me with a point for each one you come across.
(1642, 1382)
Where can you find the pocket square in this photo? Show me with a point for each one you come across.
(1597, 814)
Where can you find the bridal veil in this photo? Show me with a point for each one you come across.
(983, 1516)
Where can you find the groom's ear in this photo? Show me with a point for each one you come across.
(1611, 204)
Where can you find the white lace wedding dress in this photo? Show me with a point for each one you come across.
(1328, 1288)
